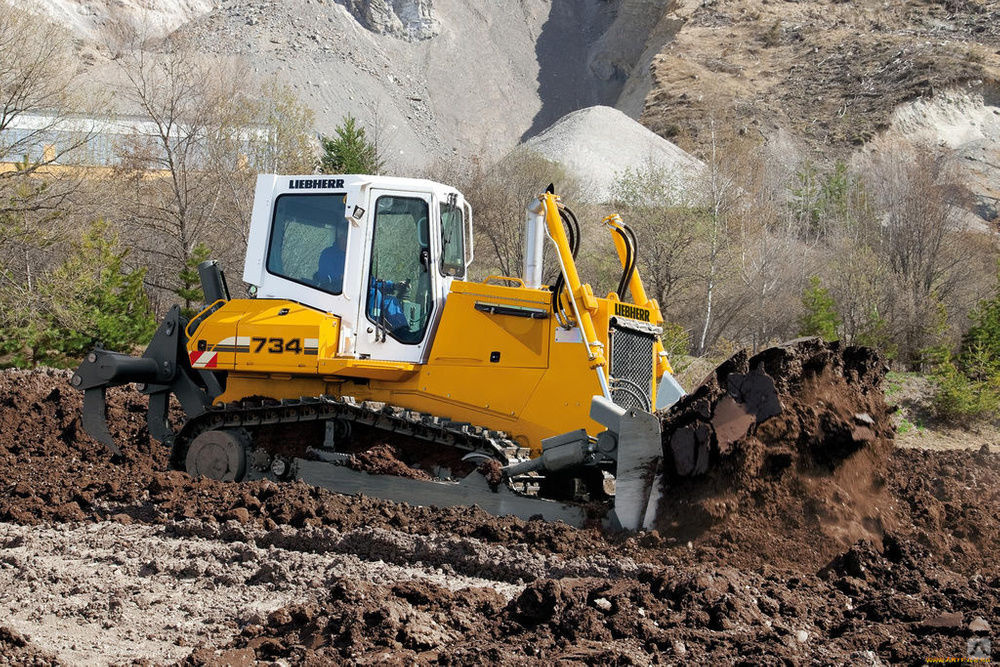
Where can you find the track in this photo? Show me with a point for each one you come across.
(312, 439)
(340, 414)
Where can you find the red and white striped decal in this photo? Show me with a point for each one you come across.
(204, 359)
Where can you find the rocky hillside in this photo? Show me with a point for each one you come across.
(828, 72)
(438, 78)
(93, 20)
(825, 77)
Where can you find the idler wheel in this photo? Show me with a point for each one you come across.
(220, 455)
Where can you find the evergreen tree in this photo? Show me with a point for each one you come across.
(820, 317)
(91, 298)
(351, 151)
(980, 357)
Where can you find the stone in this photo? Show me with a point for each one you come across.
(944, 621)
(979, 624)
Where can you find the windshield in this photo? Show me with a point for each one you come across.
(309, 240)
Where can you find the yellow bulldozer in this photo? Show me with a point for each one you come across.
(361, 326)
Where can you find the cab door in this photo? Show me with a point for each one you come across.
(398, 301)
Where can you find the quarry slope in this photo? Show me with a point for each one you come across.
(433, 78)
(823, 80)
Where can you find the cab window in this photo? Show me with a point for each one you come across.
(399, 290)
(452, 241)
(309, 240)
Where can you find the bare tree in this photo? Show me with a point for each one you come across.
(498, 194)
(204, 132)
(652, 203)
(718, 196)
(919, 215)
(37, 130)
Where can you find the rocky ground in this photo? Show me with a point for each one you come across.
(105, 563)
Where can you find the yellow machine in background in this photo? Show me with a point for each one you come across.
(361, 318)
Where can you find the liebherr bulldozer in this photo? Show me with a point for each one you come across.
(362, 325)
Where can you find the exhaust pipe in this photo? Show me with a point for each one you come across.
(213, 282)
(534, 243)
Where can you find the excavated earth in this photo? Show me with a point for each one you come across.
(808, 538)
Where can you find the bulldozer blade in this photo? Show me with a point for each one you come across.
(639, 454)
(95, 418)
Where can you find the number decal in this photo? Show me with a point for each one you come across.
(277, 345)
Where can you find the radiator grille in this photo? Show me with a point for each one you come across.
(631, 363)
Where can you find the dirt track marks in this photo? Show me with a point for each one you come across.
(109, 592)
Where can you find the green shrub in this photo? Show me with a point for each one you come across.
(961, 399)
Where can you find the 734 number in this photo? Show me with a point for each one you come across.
(278, 345)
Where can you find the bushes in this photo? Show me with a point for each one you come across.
(968, 388)
(90, 298)
(819, 317)
(960, 398)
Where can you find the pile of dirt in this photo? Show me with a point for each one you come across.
(598, 144)
(51, 470)
(894, 602)
(797, 437)
(949, 500)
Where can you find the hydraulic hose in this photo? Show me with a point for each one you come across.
(573, 232)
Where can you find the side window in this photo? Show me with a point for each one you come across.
(452, 241)
(309, 240)
(399, 290)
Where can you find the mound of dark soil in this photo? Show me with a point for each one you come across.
(16, 649)
(50, 470)
(793, 441)
(836, 555)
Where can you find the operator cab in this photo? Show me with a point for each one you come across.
(379, 253)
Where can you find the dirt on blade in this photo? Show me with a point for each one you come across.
(809, 538)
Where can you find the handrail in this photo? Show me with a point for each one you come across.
(511, 279)
(196, 321)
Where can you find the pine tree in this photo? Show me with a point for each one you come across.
(92, 298)
(351, 151)
(820, 317)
